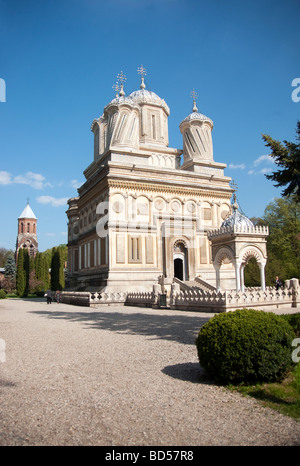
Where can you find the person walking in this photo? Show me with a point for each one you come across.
(49, 296)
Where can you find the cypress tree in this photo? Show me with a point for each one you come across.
(26, 271)
(55, 265)
(61, 268)
(20, 276)
(57, 270)
(45, 272)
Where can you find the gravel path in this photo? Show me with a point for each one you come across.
(118, 376)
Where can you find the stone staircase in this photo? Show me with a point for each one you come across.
(198, 283)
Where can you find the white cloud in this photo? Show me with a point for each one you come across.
(5, 178)
(263, 158)
(242, 166)
(49, 234)
(75, 184)
(263, 171)
(55, 202)
(35, 180)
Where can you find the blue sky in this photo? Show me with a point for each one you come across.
(59, 60)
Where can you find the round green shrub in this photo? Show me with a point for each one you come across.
(246, 346)
(2, 294)
(294, 321)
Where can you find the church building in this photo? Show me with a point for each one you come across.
(145, 211)
(27, 233)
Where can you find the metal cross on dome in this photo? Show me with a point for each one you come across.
(116, 87)
(121, 77)
(233, 185)
(142, 71)
(194, 96)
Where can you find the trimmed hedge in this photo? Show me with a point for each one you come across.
(246, 346)
(294, 321)
(2, 294)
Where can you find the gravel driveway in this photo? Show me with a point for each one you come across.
(118, 376)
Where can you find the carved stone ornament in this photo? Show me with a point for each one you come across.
(159, 204)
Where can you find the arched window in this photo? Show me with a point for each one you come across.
(28, 227)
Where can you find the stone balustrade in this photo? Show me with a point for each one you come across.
(194, 299)
(146, 299)
(238, 229)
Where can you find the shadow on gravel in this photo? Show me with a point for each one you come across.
(179, 328)
(188, 372)
(6, 383)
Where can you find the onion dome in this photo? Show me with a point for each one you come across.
(143, 96)
(120, 98)
(195, 115)
(236, 218)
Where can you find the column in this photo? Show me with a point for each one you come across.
(237, 276)
(218, 278)
(242, 278)
(262, 276)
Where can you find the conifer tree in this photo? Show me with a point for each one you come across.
(20, 276)
(287, 158)
(55, 265)
(45, 272)
(57, 270)
(26, 271)
(10, 267)
(9, 282)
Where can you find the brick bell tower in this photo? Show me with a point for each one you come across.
(27, 237)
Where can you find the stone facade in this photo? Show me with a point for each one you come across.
(145, 210)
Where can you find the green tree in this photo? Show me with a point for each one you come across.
(41, 272)
(20, 275)
(286, 155)
(48, 254)
(9, 282)
(252, 273)
(45, 272)
(283, 244)
(10, 267)
(4, 254)
(27, 269)
(57, 269)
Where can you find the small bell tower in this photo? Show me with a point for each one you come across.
(27, 231)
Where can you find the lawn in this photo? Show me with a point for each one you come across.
(284, 396)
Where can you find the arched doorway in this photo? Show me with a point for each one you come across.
(180, 260)
(252, 253)
(178, 268)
